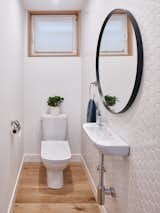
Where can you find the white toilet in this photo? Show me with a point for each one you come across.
(55, 150)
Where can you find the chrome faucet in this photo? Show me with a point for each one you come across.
(99, 117)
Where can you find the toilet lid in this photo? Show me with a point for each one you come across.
(55, 150)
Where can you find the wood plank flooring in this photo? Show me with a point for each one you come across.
(33, 196)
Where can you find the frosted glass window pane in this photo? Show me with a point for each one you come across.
(115, 35)
(52, 33)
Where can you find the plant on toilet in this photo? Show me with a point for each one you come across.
(54, 104)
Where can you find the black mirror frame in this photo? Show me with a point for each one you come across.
(139, 59)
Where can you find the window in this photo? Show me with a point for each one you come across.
(116, 39)
(53, 33)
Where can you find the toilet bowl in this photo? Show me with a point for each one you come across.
(55, 156)
(55, 150)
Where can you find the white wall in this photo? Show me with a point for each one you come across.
(11, 95)
(137, 178)
(53, 4)
(44, 77)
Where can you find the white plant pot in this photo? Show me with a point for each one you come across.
(54, 110)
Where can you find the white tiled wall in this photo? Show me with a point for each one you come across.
(137, 178)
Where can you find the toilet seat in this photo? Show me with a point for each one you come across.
(55, 150)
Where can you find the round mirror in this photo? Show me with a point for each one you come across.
(119, 61)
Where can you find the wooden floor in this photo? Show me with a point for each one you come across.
(33, 196)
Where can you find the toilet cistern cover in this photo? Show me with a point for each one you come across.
(55, 150)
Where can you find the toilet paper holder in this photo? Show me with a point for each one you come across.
(15, 126)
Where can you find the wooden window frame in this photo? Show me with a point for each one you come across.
(54, 54)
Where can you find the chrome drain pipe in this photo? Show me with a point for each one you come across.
(101, 190)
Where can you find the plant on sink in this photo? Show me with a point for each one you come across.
(54, 104)
(110, 100)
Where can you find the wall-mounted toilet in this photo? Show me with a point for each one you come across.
(55, 150)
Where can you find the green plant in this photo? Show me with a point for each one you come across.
(110, 100)
(55, 101)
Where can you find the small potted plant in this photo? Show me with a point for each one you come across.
(110, 100)
(54, 104)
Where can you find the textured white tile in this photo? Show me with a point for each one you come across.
(136, 179)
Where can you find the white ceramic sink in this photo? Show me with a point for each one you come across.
(105, 140)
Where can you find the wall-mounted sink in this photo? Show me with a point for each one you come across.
(105, 140)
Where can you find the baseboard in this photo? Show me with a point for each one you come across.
(13, 196)
(76, 158)
(30, 157)
(37, 158)
(90, 179)
(92, 184)
(102, 209)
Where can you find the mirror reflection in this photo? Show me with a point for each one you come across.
(117, 61)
